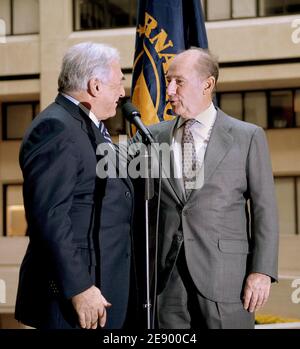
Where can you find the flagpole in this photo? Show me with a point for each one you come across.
(162, 31)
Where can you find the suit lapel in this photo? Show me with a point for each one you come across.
(219, 144)
(99, 139)
(166, 136)
(87, 126)
(73, 110)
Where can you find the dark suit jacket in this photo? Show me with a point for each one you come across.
(76, 222)
(220, 248)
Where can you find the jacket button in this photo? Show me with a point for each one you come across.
(127, 194)
(179, 238)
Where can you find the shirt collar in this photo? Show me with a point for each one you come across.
(206, 118)
(70, 98)
(88, 112)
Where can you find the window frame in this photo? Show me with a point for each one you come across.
(238, 18)
(268, 98)
(295, 179)
(4, 202)
(12, 23)
(102, 28)
(4, 108)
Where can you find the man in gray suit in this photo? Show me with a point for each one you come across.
(218, 238)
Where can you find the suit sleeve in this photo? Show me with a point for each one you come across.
(264, 219)
(50, 163)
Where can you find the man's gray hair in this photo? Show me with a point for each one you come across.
(206, 62)
(85, 61)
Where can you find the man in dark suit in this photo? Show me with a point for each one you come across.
(76, 271)
(213, 270)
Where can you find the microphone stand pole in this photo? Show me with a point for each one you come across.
(149, 193)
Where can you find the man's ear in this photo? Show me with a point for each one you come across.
(94, 87)
(209, 85)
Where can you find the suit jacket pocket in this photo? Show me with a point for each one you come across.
(234, 246)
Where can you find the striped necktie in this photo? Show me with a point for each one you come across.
(102, 128)
(188, 157)
(104, 132)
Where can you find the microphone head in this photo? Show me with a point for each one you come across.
(130, 111)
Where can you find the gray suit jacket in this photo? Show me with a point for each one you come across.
(223, 243)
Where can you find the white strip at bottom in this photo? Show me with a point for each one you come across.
(284, 325)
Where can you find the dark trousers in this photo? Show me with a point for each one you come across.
(181, 305)
(59, 314)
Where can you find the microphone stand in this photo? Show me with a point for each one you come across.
(149, 193)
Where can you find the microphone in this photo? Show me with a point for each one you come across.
(134, 117)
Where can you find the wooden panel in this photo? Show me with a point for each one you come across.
(289, 255)
(280, 301)
(7, 321)
(12, 250)
(16, 221)
(10, 277)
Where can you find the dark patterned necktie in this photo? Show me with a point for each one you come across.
(188, 157)
(104, 132)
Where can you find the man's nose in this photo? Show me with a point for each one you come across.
(172, 87)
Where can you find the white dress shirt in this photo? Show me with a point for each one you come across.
(201, 131)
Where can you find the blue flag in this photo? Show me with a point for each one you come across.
(164, 28)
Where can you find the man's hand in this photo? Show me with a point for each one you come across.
(256, 291)
(91, 306)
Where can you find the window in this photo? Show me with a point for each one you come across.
(271, 8)
(287, 194)
(229, 9)
(278, 7)
(99, 14)
(20, 16)
(116, 125)
(218, 9)
(25, 16)
(5, 15)
(281, 109)
(232, 104)
(267, 109)
(256, 110)
(244, 8)
(298, 205)
(297, 107)
(16, 117)
(14, 214)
